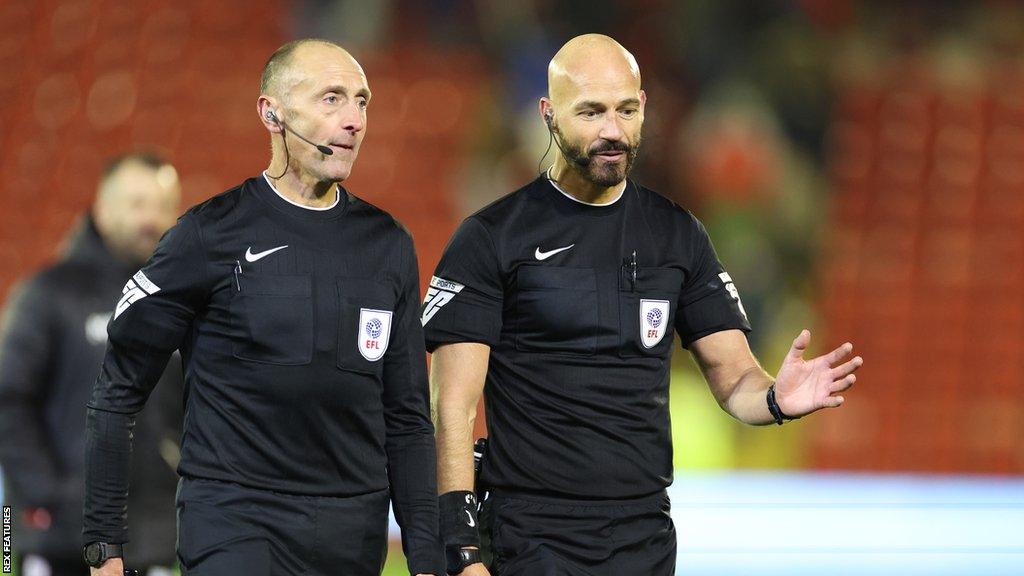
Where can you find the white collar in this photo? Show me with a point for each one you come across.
(337, 197)
(574, 199)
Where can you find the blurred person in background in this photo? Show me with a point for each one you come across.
(294, 305)
(561, 298)
(52, 343)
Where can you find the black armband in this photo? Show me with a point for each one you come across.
(458, 518)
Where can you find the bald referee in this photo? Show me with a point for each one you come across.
(557, 303)
(294, 305)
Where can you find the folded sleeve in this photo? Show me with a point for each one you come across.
(709, 301)
(465, 297)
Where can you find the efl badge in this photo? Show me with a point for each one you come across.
(653, 321)
(374, 332)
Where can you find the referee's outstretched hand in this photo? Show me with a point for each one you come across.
(804, 386)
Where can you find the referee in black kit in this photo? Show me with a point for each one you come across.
(294, 305)
(561, 297)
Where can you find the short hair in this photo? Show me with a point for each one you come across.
(281, 59)
(147, 159)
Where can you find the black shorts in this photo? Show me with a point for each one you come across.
(224, 528)
(527, 535)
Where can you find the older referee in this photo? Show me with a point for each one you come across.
(294, 305)
(563, 297)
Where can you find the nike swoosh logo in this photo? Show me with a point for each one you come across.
(469, 517)
(250, 257)
(545, 255)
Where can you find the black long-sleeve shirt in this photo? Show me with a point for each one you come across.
(303, 353)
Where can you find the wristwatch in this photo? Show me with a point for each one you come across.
(458, 558)
(96, 553)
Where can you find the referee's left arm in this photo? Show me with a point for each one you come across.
(412, 464)
(712, 322)
(801, 387)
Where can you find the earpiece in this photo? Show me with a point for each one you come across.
(548, 117)
(271, 115)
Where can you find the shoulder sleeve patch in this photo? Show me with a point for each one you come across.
(439, 293)
(137, 288)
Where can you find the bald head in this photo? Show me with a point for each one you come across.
(316, 89)
(286, 66)
(594, 109)
(590, 60)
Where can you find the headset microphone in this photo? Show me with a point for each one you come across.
(323, 149)
(549, 118)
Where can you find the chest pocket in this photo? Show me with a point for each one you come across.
(274, 315)
(556, 310)
(647, 311)
(366, 318)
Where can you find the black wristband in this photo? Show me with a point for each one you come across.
(773, 407)
(96, 553)
(458, 518)
(457, 558)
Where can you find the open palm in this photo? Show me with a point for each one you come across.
(804, 386)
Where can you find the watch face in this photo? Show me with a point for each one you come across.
(92, 554)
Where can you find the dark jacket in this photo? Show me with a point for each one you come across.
(52, 340)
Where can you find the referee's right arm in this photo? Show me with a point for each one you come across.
(462, 320)
(151, 320)
(457, 375)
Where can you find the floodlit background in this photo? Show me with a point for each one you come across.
(859, 165)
